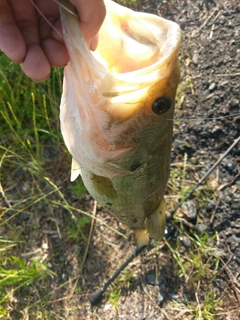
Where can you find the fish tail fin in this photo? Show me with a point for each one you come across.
(142, 237)
(155, 226)
(156, 222)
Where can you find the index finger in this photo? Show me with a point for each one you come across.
(91, 16)
(10, 36)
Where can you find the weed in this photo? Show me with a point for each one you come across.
(208, 308)
(78, 189)
(17, 272)
(76, 229)
(15, 275)
(198, 266)
(114, 297)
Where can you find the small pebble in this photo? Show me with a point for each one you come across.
(170, 230)
(161, 298)
(20, 173)
(190, 209)
(228, 232)
(140, 309)
(195, 58)
(212, 86)
(175, 297)
(186, 242)
(25, 187)
(10, 212)
(234, 103)
(24, 216)
(121, 244)
(236, 121)
(211, 205)
(45, 246)
(230, 166)
(217, 129)
(233, 240)
(44, 214)
(228, 199)
(201, 227)
(107, 306)
(151, 279)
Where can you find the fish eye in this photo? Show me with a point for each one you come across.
(161, 105)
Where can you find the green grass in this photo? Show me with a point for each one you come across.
(78, 189)
(32, 155)
(76, 229)
(17, 273)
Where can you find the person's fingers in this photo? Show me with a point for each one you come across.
(57, 32)
(26, 20)
(55, 52)
(29, 38)
(48, 20)
(91, 17)
(35, 64)
(11, 40)
(94, 43)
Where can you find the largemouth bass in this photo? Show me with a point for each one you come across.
(117, 113)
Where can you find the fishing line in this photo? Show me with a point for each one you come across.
(201, 119)
(203, 178)
(42, 15)
(204, 119)
(64, 7)
(45, 18)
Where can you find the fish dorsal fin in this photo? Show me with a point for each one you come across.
(75, 170)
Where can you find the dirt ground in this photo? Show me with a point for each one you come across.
(207, 121)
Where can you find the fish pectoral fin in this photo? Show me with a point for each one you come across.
(142, 237)
(156, 222)
(75, 170)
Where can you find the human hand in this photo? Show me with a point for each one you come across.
(27, 38)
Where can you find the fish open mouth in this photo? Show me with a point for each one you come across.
(130, 41)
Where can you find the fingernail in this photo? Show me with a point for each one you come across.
(94, 43)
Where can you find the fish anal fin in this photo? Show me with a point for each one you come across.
(142, 237)
(75, 170)
(156, 222)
